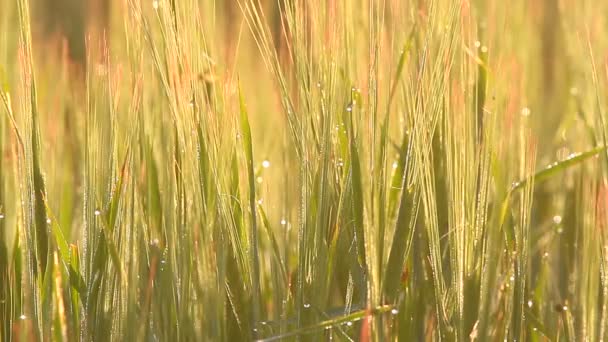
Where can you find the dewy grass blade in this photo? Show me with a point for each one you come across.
(39, 219)
(346, 319)
(34, 211)
(275, 246)
(62, 244)
(559, 166)
(253, 235)
(357, 197)
(400, 65)
(402, 242)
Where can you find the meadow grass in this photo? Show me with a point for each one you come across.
(365, 170)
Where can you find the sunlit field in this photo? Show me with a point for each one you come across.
(295, 170)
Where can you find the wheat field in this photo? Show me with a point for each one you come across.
(293, 170)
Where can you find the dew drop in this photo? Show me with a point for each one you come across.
(306, 305)
(48, 221)
(260, 201)
(512, 278)
(560, 308)
(349, 323)
(97, 212)
(283, 222)
(22, 317)
(557, 219)
(525, 111)
(574, 91)
(1, 216)
(395, 165)
(349, 108)
(484, 49)
(530, 303)
(155, 4)
(265, 164)
(259, 180)
(394, 311)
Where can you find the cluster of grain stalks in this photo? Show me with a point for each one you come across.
(306, 170)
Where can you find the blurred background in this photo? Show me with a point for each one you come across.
(69, 23)
(67, 27)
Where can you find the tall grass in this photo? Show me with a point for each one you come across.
(292, 170)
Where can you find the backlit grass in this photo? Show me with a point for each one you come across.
(362, 170)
